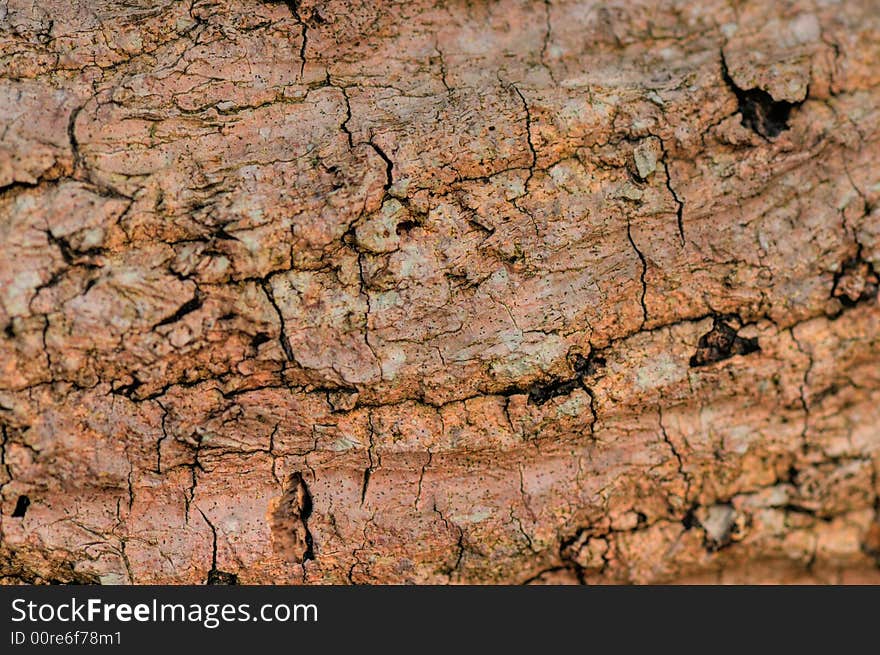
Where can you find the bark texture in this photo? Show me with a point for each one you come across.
(460, 291)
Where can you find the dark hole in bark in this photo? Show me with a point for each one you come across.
(540, 394)
(856, 282)
(406, 226)
(722, 342)
(216, 577)
(587, 365)
(365, 482)
(128, 390)
(760, 112)
(689, 520)
(259, 339)
(21, 507)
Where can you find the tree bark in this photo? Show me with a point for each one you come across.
(514, 291)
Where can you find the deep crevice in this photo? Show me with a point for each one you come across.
(21, 507)
(389, 165)
(293, 5)
(540, 392)
(722, 342)
(759, 111)
(642, 275)
(283, 341)
(188, 307)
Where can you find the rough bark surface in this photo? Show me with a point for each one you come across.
(462, 291)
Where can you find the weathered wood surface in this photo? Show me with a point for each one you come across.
(459, 291)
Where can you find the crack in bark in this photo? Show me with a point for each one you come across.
(679, 203)
(294, 6)
(389, 165)
(421, 478)
(532, 150)
(459, 546)
(190, 306)
(804, 390)
(283, 341)
(370, 454)
(681, 471)
(642, 276)
(215, 575)
(546, 41)
(7, 470)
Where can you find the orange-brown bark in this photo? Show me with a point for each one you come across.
(512, 291)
